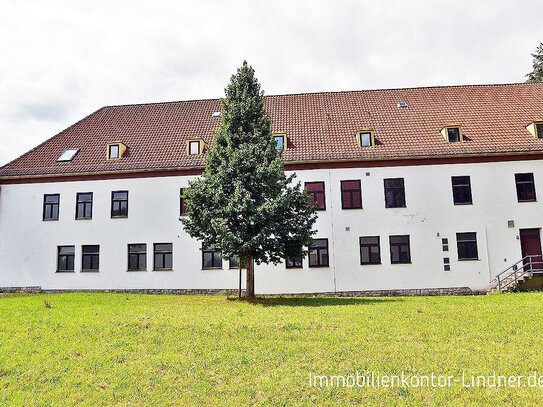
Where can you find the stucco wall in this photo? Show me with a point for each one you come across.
(28, 245)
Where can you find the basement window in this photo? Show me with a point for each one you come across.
(365, 138)
(280, 142)
(68, 155)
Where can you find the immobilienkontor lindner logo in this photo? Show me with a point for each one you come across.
(404, 379)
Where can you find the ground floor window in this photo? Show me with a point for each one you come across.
(370, 251)
(400, 251)
(318, 253)
(294, 262)
(163, 257)
(91, 258)
(211, 259)
(233, 262)
(137, 257)
(66, 258)
(467, 246)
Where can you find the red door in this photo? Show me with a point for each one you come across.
(530, 243)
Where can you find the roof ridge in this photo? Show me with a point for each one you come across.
(339, 92)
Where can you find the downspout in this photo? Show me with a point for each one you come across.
(332, 224)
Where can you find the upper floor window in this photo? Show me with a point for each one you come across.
(119, 204)
(525, 187)
(400, 250)
(394, 193)
(539, 130)
(351, 195)
(365, 138)
(182, 202)
(84, 205)
(91, 258)
(163, 256)
(370, 250)
(453, 135)
(195, 147)
(137, 257)
(536, 129)
(233, 262)
(318, 253)
(211, 259)
(66, 258)
(461, 187)
(467, 246)
(316, 195)
(68, 155)
(115, 151)
(51, 204)
(280, 141)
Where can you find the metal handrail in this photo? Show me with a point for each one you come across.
(513, 273)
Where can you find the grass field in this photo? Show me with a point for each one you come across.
(129, 349)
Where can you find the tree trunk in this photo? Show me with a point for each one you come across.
(250, 288)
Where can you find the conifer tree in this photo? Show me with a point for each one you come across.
(244, 204)
(537, 74)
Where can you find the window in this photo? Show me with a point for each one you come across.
(400, 251)
(182, 202)
(280, 142)
(394, 193)
(453, 135)
(318, 253)
(137, 257)
(461, 187)
(351, 196)
(91, 258)
(119, 204)
(68, 155)
(84, 205)
(370, 251)
(446, 264)
(211, 259)
(233, 262)
(194, 147)
(113, 152)
(51, 205)
(294, 262)
(65, 258)
(525, 187)
(467, 246)
(445, 244)
(163, 256)
(365, 139)
(316, 195)
(539, 130)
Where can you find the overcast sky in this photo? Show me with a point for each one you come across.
(61, 60)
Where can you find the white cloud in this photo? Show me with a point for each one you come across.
(61, 60)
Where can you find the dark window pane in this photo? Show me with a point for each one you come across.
(316, 194)
(370, 251)
(467, 246)
(351, 195)
(394, 193)
(525, 187)
(400, 251)
(318, 253)
(51, 205)
(84, 205)
(461, 190)
(539, 127)
(453, 133)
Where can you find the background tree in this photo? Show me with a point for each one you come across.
(537, 74)
(244, 203)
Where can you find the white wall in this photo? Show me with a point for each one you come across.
(28, 245)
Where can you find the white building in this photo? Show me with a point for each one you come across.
(420, 189)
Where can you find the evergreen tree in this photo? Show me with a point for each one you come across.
(537, 74)
(244, 204)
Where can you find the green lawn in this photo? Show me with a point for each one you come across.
(128, 349)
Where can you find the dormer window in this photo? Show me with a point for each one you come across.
(536, 129)
(115, 151)
(195, 146)
(452, 134)
(280, 141)
(68, 155)
(365, 138)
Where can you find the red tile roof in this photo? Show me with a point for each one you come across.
(319, 127)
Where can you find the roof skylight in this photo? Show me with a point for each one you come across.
(68, 155)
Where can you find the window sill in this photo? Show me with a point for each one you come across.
(137, 271)
(319, 267)
(83, 218)
(212, 268)
(160, 270)
(65, 271)
(401, 262)
(469, 259)
(349, 209)
(294, 268)
(463, 204)
(50, 220)
(527, 201)
(395, 207)
(120, 217)
(90, 271)
(371, 264)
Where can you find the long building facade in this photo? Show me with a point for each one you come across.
(416, 189)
